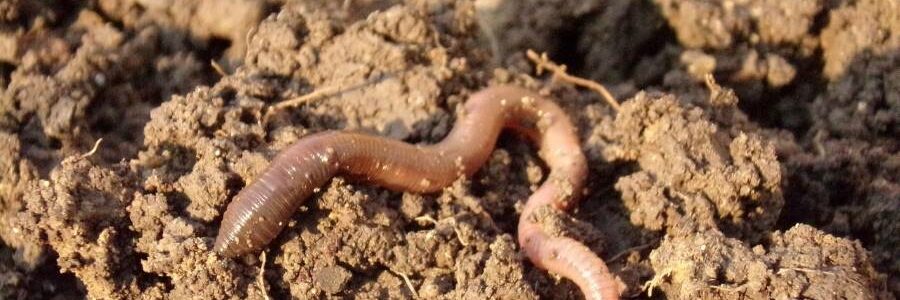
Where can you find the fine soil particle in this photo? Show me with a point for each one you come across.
(776, 177)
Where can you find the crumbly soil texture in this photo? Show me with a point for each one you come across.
(755, 154)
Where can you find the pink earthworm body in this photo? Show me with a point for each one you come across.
(259, 211)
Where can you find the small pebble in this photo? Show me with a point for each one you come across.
(332, 280)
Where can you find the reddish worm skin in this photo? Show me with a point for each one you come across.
(259, 211)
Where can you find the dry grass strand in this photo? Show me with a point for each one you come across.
(542, 62)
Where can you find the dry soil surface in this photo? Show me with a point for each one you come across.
(777, 177)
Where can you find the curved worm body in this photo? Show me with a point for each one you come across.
(259, 211)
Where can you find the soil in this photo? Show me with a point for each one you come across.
(776, 177)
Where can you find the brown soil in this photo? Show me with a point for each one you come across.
(777, 180)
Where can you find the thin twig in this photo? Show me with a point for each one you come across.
(629, 250)
(296, 101)
(739, 289)
(806, 270)
(328, 90)
(408, 284)
(543, 62)
(93, 149)
(426, 218)
(261, 278)
(319, 93)
(218, 68)
(429, 219)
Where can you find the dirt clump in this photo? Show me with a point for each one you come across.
(86, 232)
(849, 187)
(799, 263)
(690, 171)
(858, 29)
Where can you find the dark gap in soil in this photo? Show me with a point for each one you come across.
(661, 37)
(868, 234)
(6, 70)
(411, 225)
(47, 280)
(269, 8)
(602, 179)
(788, 107)
(228, 94)
(821, 196)
(566, 51)
(797, 211)
(147, 279)
(603, 208)
(129, 267)
(248, 141)
(844, 191)
(54, 143)
(66, 12)
(392, 199)
(107, 126)
(107, 117)
(606, 176)
(178, 202)
(763, 110)
(117, 24)
(234, 184)
(664, 35)
(274, 275)
(248, 117)
(808, 205)
(820, 21)
(180, 160)
(213, 50)
(653, 47)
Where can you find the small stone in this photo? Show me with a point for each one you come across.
(332, 280)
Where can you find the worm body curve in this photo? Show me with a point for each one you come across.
(258, 213)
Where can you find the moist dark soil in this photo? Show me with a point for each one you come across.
(755, 155)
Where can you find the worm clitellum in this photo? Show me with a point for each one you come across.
(259, 211)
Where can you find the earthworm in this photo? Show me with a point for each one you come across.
(259, 211)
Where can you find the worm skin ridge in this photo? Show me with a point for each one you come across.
(258, 213)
